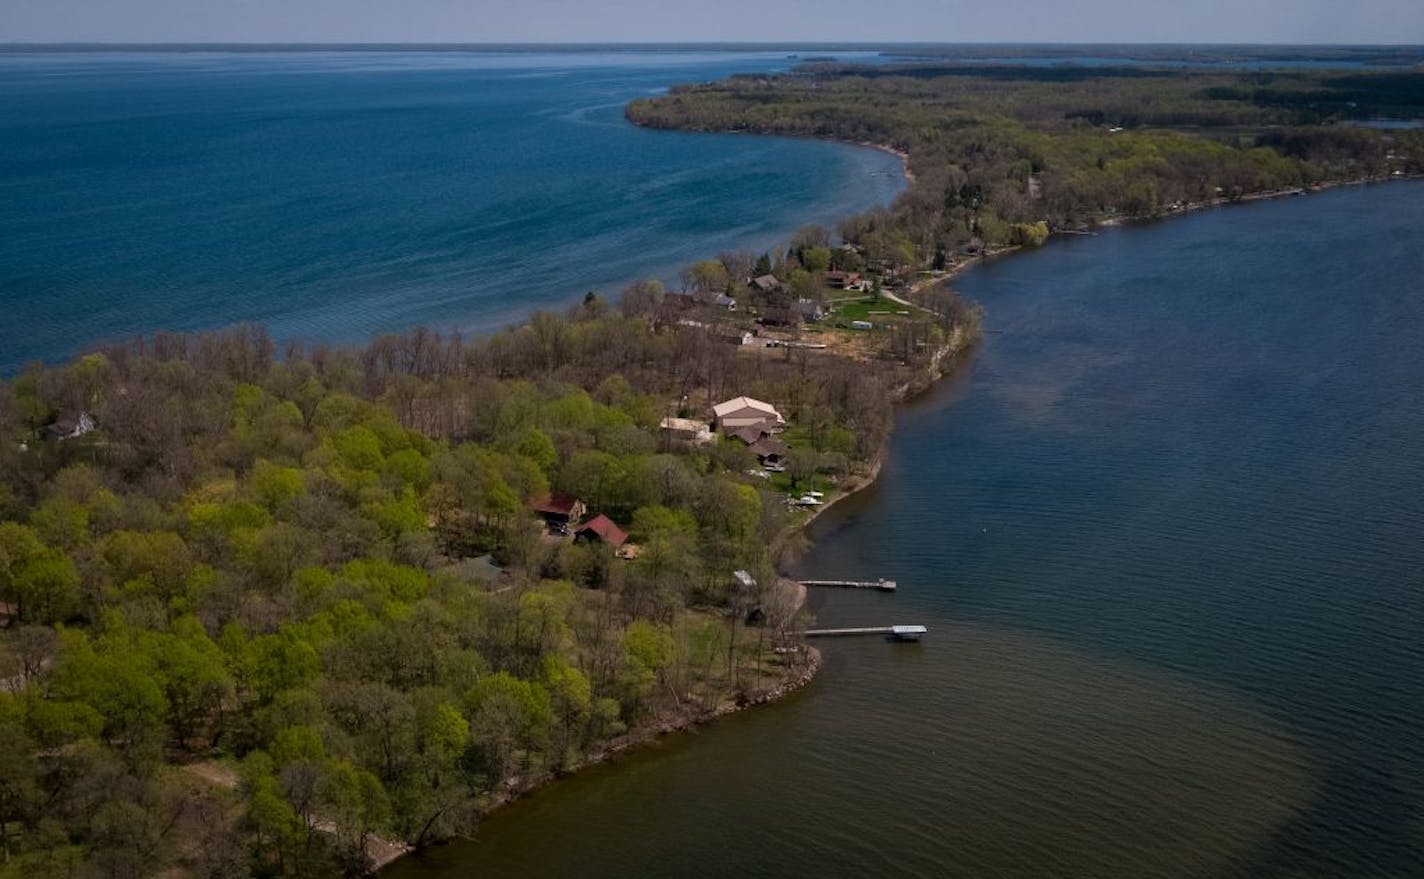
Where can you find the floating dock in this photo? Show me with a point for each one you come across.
(899, 633)
(882, 584)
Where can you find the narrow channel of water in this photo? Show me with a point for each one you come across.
(1165, 530)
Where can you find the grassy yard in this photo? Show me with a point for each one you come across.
(861, 308)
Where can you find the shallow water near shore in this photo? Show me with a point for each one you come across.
(1164, 528)
(331, 195)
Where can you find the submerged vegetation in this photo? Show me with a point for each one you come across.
(996, 150)
(265, 614)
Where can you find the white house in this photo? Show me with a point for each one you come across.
(743, 412)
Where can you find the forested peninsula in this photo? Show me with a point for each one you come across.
(289, 610)
(293, 612)
(1004, 155)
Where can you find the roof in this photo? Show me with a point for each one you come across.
(737, 404)
(751, 433)
(770, 447)
(606, 531)
(766, 282)
(558, 502)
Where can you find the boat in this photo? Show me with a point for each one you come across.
(907, 633)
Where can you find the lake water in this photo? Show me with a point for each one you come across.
(331, 195)
(1165, 529)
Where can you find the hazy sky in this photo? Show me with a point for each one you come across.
(1247, 21)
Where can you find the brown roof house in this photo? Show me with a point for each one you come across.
(765, 284)
(770, 450)
(744, 412)
(69, 425)
(601, 529)
(559, 510)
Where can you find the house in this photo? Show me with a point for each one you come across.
(725, 302)
(838, 280)
(770, 450)
(809, 309)
(765, 284)
(69, 425)
(753, 433)
(600, 529)
(689, 429)
(559, 511)
(743, 412)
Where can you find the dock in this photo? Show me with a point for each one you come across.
(899, 633)
(882, 584)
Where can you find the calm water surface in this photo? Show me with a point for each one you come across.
(1166, 532)
(331, 195)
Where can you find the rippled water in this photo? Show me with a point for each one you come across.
(331, 195)
(1165, 530)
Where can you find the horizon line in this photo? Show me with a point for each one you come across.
(846, 44)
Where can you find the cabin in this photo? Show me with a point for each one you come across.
(765, 284)
(687, 429)
(559, 511)
(69, 425)
(843, 280)
(744, 412)
(770, 451)
(601, 529)
(753, 433)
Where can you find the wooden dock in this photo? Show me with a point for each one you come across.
(900, 633)
(882, 584)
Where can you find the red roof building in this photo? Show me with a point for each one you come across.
(602, 529)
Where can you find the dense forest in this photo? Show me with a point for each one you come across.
(264, 609)
(1002, 155)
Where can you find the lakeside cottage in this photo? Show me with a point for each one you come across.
(725, 302)
(765, 284)
(753, 433)
(69, 425)
(838, 280)
(741, 412)
(770, 451)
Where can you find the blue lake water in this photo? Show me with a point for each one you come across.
(331, 195)
(1165, 529)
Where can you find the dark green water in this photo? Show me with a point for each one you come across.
(1166, 533)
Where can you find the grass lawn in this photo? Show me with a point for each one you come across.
(860, 309)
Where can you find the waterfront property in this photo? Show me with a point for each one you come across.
(744, 412)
